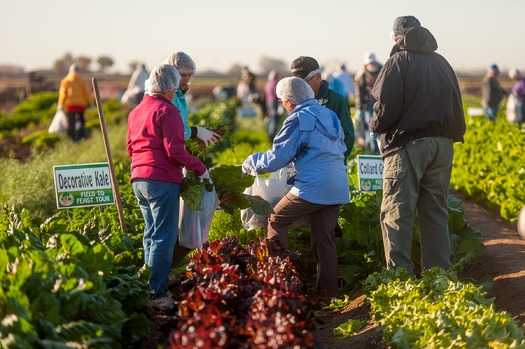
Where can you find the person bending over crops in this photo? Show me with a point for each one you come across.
(155, 143)
(418, 114)
(186, 68)
(313, 139)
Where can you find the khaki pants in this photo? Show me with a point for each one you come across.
(417, 177)
(323, 219)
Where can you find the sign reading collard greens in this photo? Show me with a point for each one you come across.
(370, 172)
(83, 185)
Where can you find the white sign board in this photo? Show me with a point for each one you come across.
(370, 172)
(83, 185)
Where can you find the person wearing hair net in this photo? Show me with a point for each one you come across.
(313, 140)
(155, 143)
(419, 115)
(75, 96)
(516, 110)
(136, 85)
(186, 68)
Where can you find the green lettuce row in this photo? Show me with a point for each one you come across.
(490, 166)
(438, 311)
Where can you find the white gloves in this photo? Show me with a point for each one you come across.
(207, 136)
(248, 166)
(205, 175)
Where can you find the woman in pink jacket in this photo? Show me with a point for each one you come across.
(155, 143)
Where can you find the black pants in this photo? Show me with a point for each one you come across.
(75, 128)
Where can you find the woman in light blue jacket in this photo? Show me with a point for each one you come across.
(313, 140)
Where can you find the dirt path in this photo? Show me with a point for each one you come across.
(503, 260)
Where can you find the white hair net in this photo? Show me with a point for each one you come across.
(164, 78)
(294, 89)
(514, 74)
(181, 60)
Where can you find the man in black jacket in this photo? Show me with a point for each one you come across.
(418, 115)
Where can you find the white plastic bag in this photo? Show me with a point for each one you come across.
(59, 123)
(194, 226)
(514, 110)
(271, 189)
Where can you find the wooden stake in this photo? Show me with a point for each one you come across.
(109, 156)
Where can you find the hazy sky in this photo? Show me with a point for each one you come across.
(471, 34)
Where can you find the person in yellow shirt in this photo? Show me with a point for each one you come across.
(74, 96)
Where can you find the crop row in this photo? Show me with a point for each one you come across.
(490, 166)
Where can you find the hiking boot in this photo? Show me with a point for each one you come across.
(164, 303)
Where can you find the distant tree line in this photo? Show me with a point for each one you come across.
(62, 64)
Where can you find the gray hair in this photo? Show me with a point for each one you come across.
(164, 78)
(181, 60)
(294, 89)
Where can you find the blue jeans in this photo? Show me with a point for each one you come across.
(159, 204)
(490, 113)
(273, 119)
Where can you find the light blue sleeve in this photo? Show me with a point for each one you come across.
(286, 146)
(180, 102)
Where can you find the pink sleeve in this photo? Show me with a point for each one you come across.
(173, 131)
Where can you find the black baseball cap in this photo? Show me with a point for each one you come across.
(401, 24)
(303, 65)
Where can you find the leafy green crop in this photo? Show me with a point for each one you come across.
(438, 311)
(230, 183)
(349, 328)
(490, 166)
(64, 287)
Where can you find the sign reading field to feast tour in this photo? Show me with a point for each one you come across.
(370, 172)
(83, 185)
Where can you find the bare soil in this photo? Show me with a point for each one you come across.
(503, 262)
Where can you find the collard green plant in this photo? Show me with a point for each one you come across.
(65, 287)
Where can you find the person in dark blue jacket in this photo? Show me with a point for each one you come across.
(313, 140)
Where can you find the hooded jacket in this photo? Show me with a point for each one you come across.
(417, 94)
(311, 137)
(74, 92)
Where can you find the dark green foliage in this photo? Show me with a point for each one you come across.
(67, 285)
(38, 109)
